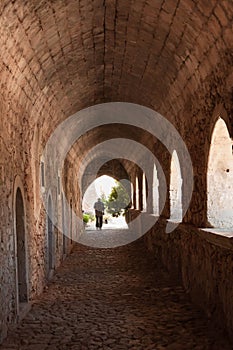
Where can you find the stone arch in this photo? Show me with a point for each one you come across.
(20, 244)
(175, 189)
(113, 168)
(220, 177)
(50, 236)
(220, 112)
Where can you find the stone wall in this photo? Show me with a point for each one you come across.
(58, 57)
(20, 167)
(203, 260)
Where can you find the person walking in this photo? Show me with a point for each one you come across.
(99, 212)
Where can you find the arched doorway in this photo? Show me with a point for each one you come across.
(220, 177)
(71, 221)
(64, 238)
(21, 248)
(50, 229)
(116, 197)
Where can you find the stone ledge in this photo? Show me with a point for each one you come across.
(202, 257)
(221, 237)
(218, 236)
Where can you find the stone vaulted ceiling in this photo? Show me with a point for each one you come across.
(59, 56)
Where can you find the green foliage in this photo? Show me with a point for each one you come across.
(118, 201)
(86, 218)
(91, 215)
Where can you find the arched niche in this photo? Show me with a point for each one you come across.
(220, 177)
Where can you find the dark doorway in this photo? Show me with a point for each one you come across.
(50, 236)
(21, 249)
(71, 223)
(63, 228)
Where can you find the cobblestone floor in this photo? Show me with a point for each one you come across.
(114, 299)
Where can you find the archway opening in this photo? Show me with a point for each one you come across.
(21, 248)
(220, 177)
(175, 189)
(51, 245)
(155, 191)
(137, 193)
(144, 193)
(115, 196)
(132, 196)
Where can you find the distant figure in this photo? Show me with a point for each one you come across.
(99, 212)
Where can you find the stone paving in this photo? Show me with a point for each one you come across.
(114, 299)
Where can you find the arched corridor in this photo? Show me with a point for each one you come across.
(113, 299)
(141, 91)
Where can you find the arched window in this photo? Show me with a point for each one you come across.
(220, 177)
(132, 195)
(144, 193)
(137, 193)
(175, 190)
(155, 191)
